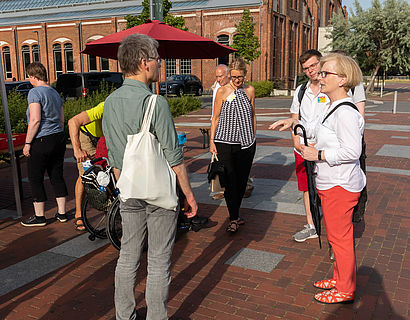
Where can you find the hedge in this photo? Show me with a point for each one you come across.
(262, 88)
(17, 104)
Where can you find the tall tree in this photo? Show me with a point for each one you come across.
(177, 22)
(378, 37)
(245, 40)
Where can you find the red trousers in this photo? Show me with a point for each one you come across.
(337, 205)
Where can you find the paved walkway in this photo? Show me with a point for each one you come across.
(259, 273)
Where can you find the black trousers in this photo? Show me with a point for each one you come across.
(47, 153)
(237, 163)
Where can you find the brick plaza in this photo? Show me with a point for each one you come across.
(53, 272)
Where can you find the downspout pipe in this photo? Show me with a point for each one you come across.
(16, 46)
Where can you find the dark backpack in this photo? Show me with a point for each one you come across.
(360, 208)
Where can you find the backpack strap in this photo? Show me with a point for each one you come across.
(340, 104)
(301, 93)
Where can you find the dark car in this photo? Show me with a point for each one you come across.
(75, 85)
(180, 84)
(22, 87)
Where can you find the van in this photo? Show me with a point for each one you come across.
(76, 85)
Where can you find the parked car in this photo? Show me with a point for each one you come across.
(22, 87)
(76, 85)
(180, 84)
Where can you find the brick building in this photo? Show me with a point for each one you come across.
(55, 31)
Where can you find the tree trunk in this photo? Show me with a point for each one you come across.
(370, 86)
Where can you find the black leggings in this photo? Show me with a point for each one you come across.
(47, 153)
(237, 163)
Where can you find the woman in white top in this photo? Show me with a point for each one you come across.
(338, 134)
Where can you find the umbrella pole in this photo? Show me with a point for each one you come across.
(10, 142)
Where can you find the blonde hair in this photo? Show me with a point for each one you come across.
(238, 64)
(345, 67)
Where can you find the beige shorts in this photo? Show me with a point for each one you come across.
(86, 145)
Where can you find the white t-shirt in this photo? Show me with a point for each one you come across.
(216, 87)
(310, 107)
(359, 94)
(340, 136)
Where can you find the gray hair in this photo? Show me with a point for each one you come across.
(223, 66)
(133, 49)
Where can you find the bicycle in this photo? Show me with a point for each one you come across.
(97, 199)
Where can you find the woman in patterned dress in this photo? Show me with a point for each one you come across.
(233, 131)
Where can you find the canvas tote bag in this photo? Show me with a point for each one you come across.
(215, 181)
(146, 174)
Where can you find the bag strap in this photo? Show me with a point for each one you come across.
(148, 113)
(300, 96)
(214, 157)
(340, 104)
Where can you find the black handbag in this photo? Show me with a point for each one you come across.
(215, 167)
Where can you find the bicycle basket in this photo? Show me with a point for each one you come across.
(97, 198)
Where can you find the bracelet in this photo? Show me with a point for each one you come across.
(319, 155)
(29, 143)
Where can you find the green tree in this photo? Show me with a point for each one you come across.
(177, 22)
(378, 37)
(245, 40)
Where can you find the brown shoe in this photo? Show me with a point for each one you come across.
(248, 192)
(218, 196)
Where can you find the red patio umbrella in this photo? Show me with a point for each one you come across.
(173, 43)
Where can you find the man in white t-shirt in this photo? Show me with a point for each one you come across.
(222, 78)
(308, 102)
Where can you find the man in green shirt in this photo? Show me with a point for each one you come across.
(123, 114)
(85, 129)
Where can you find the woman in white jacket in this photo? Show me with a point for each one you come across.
(339, 180)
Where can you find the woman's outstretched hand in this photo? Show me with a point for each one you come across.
(284, 124)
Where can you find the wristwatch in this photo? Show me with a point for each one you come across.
(319, 155)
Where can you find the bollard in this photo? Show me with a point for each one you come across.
(395, 102)
(381, 90)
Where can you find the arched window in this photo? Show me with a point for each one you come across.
(7, 63)
(223, 39)
(35, 50)
(25, 51)
(69, 61)
(58, 61)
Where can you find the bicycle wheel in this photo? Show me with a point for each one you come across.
(94, 220)
(114, 228)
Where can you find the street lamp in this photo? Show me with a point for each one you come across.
(38, 46)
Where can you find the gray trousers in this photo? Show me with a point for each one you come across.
(138, 218)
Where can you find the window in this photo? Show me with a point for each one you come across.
(104, 64)
(58, 61)
(223, 39)
(92, 63)
(69, 61)
(171, 67)
(35, 50)
(25, 50)
(7, 63)
(185, 66)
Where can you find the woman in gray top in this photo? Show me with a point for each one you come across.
(45, 144)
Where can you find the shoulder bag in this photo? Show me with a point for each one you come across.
(146, 174)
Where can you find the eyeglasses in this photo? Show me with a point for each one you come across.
(323, 74)
(157, 59)
(237, 77)
(313, 65)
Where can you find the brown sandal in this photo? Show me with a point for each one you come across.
(79, 226)
(233, 227)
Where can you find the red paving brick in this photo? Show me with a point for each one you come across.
(203, 286)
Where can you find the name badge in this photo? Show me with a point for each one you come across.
(321, 99)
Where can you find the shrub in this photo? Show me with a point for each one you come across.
(17, 111)
(183, 105)
(262, 88)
